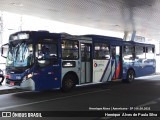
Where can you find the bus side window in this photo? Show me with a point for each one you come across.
(96, 54)
(46, 52)
(150, 52)
(128, 52)
(70, 49)
(101, 51)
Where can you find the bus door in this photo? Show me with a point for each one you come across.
(101, 63)
(116, 62)
(86, 63)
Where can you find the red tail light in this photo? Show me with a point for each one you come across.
(7, 76)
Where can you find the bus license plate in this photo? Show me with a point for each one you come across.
(18, 77)
(12, 83)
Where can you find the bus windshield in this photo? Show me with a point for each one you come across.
(20, 55)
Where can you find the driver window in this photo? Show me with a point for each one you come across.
(46, 54)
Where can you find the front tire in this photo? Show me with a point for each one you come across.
(68, 83)
(130, 76)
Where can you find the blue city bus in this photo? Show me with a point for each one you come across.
(39, 60)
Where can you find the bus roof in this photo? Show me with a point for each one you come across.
(116, 41)
(97, 38)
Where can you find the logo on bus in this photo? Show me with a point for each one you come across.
(95, 64)
(98, 65)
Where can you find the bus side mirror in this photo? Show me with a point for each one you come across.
(1, 50)
(4, 50)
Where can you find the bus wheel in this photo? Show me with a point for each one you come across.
(68, 83)
(130, 76)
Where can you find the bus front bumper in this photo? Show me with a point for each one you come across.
(24, 84)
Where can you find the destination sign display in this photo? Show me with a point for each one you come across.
(20, 36)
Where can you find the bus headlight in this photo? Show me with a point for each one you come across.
(29, 76)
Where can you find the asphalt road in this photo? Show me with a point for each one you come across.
(142, 92)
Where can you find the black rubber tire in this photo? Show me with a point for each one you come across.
(1, 79)
(130, 76)
(68, 83)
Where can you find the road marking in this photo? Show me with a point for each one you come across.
(37, 102)
(155, 101)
